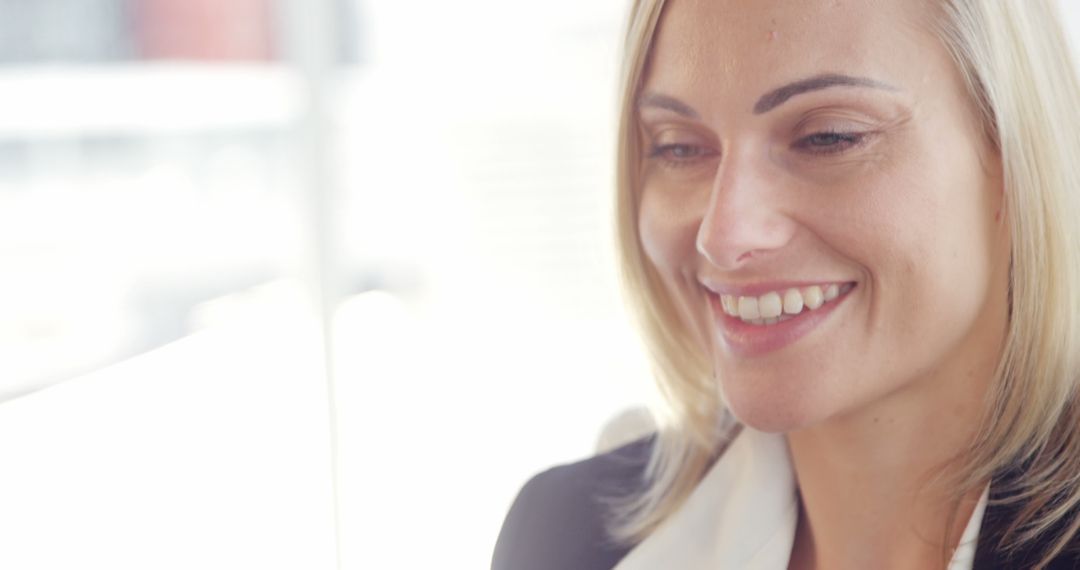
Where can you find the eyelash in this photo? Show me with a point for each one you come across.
(664, 153)
(840, 142)
(836, 142)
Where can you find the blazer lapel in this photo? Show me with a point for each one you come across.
(995, 521)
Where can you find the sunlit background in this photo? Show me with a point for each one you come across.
(301, 284)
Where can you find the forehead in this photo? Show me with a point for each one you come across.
(726, 47)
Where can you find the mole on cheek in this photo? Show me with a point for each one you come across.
(772, 33)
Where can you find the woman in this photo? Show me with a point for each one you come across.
(851, 231)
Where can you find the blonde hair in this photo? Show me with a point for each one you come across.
(1015, 60)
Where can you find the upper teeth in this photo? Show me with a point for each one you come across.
(776, 306)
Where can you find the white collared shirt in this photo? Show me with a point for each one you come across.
(743, 514)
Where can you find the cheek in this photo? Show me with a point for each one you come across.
(928, 257)
(668, 232)
(950, 270)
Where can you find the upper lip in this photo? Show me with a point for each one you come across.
(757, 288)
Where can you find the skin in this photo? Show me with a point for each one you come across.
(888, 183)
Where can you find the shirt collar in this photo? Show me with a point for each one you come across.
(743, 514)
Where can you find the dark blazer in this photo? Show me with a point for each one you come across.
(556, 522)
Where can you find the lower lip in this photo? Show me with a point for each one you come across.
(745, 339)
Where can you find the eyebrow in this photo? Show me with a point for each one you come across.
(772, 99)
(777, 97)
(670, 103)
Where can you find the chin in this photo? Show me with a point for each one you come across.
(771, 422)
(773, 414)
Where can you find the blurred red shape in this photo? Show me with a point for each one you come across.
(204, 29)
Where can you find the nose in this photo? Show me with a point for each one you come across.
(745, 219)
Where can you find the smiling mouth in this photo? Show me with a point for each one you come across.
(778, 306)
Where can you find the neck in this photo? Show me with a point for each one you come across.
(867, 494)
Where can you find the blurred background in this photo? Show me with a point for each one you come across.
(301, 283)
(284, 281)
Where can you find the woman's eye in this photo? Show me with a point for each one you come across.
(679, 154)
(829, 142)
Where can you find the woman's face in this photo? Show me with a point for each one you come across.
(818, 194)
